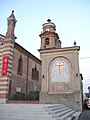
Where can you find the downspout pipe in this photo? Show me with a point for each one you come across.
(27, 75)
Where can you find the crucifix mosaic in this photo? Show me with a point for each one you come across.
(60, 75)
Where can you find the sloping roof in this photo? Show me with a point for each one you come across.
(23, 50)
(2, 37)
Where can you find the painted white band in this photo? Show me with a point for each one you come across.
(4, 87)
(3, 92)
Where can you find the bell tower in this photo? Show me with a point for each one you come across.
(49, 37)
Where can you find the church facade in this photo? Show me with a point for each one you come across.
(56, 75)
(61, 78)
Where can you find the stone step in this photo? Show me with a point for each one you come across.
(62, 113)
(76, 115)
(32, 106)
(53, 105)
(32, 118)
(66, 116)
(23, 110)
(35, 112)
(24, 116)
(54, 108)
(58, 110)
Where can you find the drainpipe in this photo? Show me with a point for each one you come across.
(81, 76)
(89, 90)
(27, 75)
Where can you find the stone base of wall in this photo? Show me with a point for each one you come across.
(71, 99)
(23, 101)
(3, 100)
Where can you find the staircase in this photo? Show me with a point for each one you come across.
(37, 112)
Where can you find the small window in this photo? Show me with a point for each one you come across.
(18, 89)
(35, 73)
(20, 66)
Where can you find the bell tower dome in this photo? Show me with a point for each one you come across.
(49, 37)
(49, 26)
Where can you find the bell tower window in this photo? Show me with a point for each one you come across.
(47, 29)
(47, 41)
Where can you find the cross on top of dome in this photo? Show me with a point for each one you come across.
(48, 20)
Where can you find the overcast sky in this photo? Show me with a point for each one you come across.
(71, 17)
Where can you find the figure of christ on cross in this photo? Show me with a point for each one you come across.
(60, 66)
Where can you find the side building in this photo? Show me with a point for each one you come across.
(19, 69)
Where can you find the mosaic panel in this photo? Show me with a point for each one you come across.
(60, 76)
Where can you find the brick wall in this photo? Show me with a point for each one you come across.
(21, 81)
